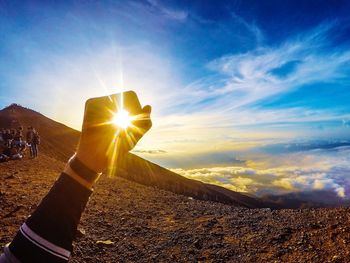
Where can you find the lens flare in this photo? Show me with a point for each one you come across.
(122, 119)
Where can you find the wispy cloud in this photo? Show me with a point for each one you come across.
(267, 71)
(157, 151)
(179, 15)
(346, 123)
(251, 27)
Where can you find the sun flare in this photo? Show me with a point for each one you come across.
(122, 119)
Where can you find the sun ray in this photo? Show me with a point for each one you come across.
(103, 85)
(122, 119)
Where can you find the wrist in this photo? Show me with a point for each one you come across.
(89, 159)
(82, 181)
(78, 170)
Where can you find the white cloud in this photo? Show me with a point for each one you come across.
(283, 174)
(341, 192)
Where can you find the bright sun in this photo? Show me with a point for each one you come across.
(122, 119)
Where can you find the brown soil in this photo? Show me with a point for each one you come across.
(145, 224)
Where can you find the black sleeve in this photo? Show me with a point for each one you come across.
(48, 233)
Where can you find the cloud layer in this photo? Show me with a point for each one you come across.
(296, 172)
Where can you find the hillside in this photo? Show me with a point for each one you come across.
(59, 141)
(145, 224)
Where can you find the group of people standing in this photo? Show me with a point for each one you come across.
(13, 145)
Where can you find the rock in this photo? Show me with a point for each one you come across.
(198, 244)
(107, 242)
(336, 258)
(80, 233)
(12, 176)
(211, 222)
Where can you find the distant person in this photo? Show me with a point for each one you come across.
(18, 137)
(23, 142)
(5, 154)
(15, 153)
(12, 134)
(2, 140)
(19, 131)
(32, 141)
(22, 146)
(29, 135)
(35, 143)
(8, 137)
(10, 152)
(3, 145)
(3, 158)
(48, 233)
(4, 134)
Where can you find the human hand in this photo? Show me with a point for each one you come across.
(102, 141)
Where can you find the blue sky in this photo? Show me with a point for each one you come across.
(225, 78)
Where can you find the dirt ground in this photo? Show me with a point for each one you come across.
(143, 224)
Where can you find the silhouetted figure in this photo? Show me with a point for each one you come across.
(15, 153)
(5, 154)
(33, 140)
(35, 143)
(2, 132)
(3, 158)
(48, 233)
(7, 135)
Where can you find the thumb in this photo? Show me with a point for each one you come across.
(147, 109)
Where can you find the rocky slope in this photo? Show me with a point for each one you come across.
(143, 224)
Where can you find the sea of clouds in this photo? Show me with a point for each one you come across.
(319, 169)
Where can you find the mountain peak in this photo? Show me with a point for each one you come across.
(16, 111)
(15, 107)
